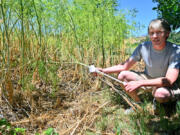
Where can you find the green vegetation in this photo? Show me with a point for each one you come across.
(169, 9)
(175, 37)
(50, 131)
(37, 33)
(7, 129)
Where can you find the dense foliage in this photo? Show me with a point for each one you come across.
(175, 37)
(75, 30)
(170, 10)
(85, 23)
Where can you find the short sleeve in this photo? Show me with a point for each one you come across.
(175, 59)
(136, 55)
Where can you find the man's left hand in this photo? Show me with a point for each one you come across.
(132, 86)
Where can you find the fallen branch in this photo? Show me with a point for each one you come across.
(76, 125)
(31, 119)
(94, 118)
(129, 101)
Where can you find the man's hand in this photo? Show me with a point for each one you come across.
(132, 86)
(95, 73)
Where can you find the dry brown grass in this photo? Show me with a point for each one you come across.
(74, 109)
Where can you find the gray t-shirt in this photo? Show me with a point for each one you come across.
(157, 62)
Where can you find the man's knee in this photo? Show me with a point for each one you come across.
(162, 95)
(123, 75)
(128, 76)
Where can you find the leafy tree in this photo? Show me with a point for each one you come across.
(169, 10)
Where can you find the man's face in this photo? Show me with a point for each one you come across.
(158, 36)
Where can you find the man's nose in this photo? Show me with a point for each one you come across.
(155, 35)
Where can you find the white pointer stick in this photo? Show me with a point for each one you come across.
(92, 69)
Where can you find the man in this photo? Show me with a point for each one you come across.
(162, 64)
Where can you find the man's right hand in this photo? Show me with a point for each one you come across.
(95, 73)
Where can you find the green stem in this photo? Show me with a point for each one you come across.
(6, 42)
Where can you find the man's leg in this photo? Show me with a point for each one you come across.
(167, 98)
(131, 76)
(166, 94)
(162, 94)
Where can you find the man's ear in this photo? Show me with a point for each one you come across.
(167, 34)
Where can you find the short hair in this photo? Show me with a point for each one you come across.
(163, 23)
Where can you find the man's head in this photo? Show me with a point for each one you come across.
(159, 30)
(160, 23)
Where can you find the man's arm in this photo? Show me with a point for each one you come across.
(121, 67)
(168, 80)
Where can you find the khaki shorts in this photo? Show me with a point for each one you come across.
(174, 89)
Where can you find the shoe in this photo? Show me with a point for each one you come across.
(1, 116)
(129, 111)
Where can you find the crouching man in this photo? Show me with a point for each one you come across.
(162, 64)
